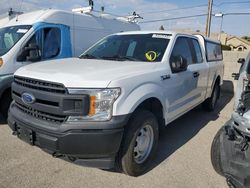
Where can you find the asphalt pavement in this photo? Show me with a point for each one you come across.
(183, 159)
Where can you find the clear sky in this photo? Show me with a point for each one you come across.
(235, 25)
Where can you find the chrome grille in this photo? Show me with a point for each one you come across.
(40, 85)
(41, 115)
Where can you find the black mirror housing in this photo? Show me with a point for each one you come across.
(179, 64)
(236, 76)
(30, 53)
(241, 60)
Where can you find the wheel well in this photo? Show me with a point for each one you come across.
(7, 92)
(218, 79)
(154, 105)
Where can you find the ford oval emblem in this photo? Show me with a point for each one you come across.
(28, 98)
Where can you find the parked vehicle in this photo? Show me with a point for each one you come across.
(105, 108)
(230, 153)
(48, 34)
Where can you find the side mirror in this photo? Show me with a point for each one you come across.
(179, 64)
(30, 53)
(241, 61)
(236, 76)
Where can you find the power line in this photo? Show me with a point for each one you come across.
(236, 14)
(192, 7)
(194, 16)
(164, 10)
(233, 2)
(175, 18)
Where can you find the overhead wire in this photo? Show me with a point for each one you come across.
(192, 7)
(194, 16)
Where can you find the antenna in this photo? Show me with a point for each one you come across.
(85, 10)
(91, 4)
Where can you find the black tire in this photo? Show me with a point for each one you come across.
(5, 104)
(210, 103)
(126, 161)
(216, 153)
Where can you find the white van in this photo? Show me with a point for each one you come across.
(48, 34)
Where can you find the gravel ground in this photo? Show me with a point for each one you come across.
(183, 158)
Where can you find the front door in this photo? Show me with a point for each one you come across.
(182, 90)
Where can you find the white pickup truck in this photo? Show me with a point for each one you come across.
(105, 108)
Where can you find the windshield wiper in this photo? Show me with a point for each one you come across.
(88, 56)
(119, 58)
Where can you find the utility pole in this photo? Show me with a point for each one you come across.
(209, 16)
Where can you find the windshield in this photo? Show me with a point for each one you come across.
(141, 47)
(9, 36)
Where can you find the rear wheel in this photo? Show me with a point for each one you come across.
(5, 103)
(139, 144)
(210, 103)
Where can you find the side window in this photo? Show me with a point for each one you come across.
(182, 48)
(181, 52)
(213, 51)
(48, 41)
(197, 50)
(51, 43)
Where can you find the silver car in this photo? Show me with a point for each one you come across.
(230, 151)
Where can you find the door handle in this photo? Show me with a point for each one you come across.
(196, 74)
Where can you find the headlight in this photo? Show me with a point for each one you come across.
(1, 62)
(101, 104)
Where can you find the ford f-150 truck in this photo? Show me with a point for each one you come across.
(105, 108)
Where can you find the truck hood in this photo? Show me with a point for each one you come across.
(84, 73)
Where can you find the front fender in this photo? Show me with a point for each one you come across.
(5, 83)
(128, 102)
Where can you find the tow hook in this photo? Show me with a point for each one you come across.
(57, 155)
(244, 144)
(72, 159)
(230, 133)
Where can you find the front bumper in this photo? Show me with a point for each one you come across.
(89, 147)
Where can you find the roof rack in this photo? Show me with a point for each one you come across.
(12, 13)
(131, 18)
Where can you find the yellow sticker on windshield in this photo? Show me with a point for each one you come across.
(151, 56)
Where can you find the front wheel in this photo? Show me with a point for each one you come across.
(210, 103)
(139, 144)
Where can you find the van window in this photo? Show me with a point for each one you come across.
(213, 51)
(52, 41)
(49, 42)
(9, 36)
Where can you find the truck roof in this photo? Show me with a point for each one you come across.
(166, 32)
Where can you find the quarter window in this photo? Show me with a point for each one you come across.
(52, 41)
(197, 49)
